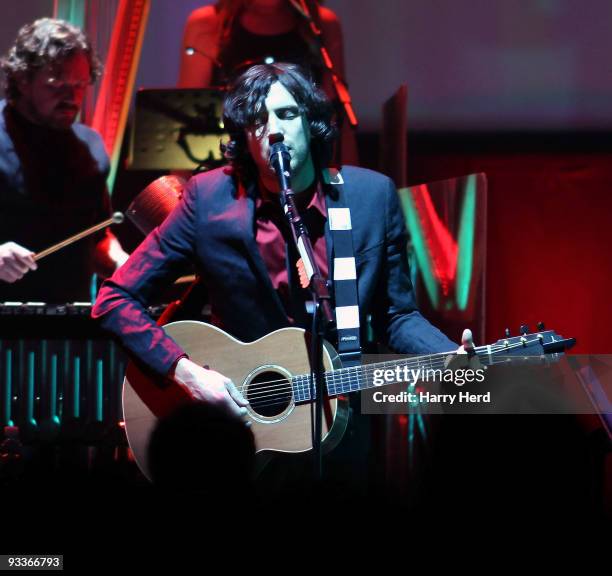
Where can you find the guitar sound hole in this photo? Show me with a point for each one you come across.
(269, 394)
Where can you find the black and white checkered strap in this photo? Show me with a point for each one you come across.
(344, 273)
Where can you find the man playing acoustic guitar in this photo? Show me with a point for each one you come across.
(230, 225)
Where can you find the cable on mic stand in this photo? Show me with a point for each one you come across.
(280, 161)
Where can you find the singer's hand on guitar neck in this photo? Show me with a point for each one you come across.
(210, 386)
(464, 357)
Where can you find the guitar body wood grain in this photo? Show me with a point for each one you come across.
(261, 371)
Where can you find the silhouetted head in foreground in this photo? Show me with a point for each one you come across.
(201, 449)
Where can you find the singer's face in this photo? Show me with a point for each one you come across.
(281, 114)
(53, 95)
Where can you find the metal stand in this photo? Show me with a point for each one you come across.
(323, 317)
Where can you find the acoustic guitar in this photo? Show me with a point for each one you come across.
(273, 373)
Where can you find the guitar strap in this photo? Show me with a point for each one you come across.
(344, 284)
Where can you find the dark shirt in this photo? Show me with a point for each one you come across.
(244, 48)
(52, 185)
(273, 238)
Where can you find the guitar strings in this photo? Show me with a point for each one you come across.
(287, 390)
(341, 371)
(263, 393)
(368, 369)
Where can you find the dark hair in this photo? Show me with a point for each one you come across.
(246, 98)
(45, 41)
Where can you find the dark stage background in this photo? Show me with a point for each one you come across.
(549, 220)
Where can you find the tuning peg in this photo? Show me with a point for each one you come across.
(524, 329)
(507, 332)
(541, 327)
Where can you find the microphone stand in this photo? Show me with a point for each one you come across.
(280, 160)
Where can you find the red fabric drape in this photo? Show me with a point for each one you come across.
(549, 240)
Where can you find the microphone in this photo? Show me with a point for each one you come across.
(280, 160)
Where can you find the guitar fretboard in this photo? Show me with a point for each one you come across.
(355, 378)
(408, 370)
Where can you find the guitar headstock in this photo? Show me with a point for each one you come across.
(535, 343)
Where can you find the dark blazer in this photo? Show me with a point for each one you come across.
(214, 227)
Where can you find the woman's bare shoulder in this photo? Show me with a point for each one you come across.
(206, 19)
